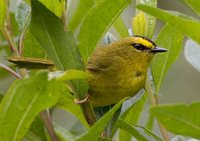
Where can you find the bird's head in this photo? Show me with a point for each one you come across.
(138, 47)
(144, 44)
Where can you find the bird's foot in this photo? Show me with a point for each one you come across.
(77, 101)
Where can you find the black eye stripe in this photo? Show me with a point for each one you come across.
(139, 46)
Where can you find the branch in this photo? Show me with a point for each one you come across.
(10, 70)
(154, 102)
(48, 124)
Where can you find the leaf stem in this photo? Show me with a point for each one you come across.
(48, 124)
(85, 106)
(88, 113)
(7, 30)
(22, 35)
(154, 102)
(64, 14)
(10, 70)
(11, 43)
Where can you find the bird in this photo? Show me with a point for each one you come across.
(119, 69)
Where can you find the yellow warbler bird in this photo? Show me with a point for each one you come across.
(119, 69)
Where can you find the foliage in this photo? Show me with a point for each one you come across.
(43, 29)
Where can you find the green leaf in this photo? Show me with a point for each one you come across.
(1, 97)
(182, 119)
(139, 24)
(56, 6)
(30, 136)
(150, 122)
(4, 73)
(194, 5)
(74, 74)
(192, 53)
(66, 102)
(37, 128)
(58, 44)
(32, 48)
(63, 134)
(150, 20)
(77, 129)
(171, 39)
(96, 130)
(179, 138)
(138, 132)
(183, 24)
(25, 99)
(120, 27)
(2, 12)
(93, 27)
(132, 114)
(81, 10)
(22, 14)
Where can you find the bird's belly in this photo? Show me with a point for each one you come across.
(106, 91)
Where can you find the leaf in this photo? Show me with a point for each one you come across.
(49, 32)
(182, 119)
(93, 27)
(77, 129)
(139, 24)
(132, 114)
(150, 122)
(171, 39)
(96, 130)
(192, 53)
(66, 102)
(2, 12)
(194, 5)
(81, 10)
(120, 27)
(31, 63)
(15, 28)
(138, 132)
(74, 74)
(32, 48)
(22, 14)
(25, 99)
(63, 134)
(56, 6)
(179, 138)
(1, 97)
(37, 128)
(31, 137)
(4, 73)
(183, 24)
(150, 20)
(58, 44)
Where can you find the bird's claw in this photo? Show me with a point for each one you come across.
(77, 101)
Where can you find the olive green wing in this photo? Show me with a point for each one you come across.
(99, 61)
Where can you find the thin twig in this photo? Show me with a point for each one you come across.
(11, 43)
(154, 102)
(7, 30)
(85, 107)
(8, 23)
(88, 113)
(48, 124)
(65, 14)
(163, 132)
(22, 35)
(10, 70)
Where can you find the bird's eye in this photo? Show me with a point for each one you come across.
(139, 46)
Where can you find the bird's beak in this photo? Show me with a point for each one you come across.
(157, 50)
